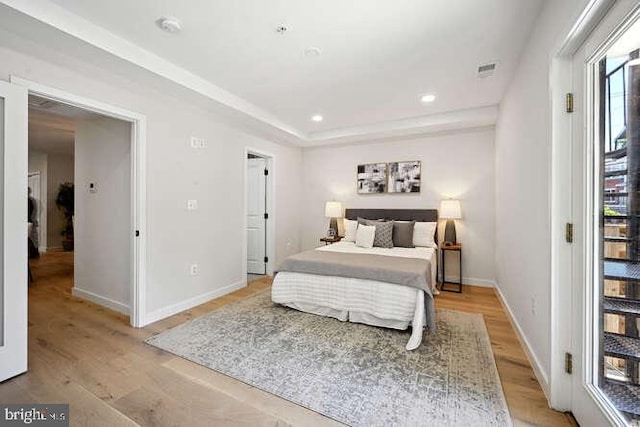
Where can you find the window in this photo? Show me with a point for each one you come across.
(619, 345)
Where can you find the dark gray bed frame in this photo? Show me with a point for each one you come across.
(423, 215)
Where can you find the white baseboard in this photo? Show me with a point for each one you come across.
(192, 302)
(100, 300)
(472, 281)
(533, 360)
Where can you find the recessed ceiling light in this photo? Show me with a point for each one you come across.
(169, 24)
(312, 52)
(428, 98)
(317, 118)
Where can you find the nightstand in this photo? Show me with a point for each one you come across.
(457, 248)
(330, 240)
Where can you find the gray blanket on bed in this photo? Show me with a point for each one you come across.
(413, 272)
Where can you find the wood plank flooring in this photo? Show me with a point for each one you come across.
(89, 356)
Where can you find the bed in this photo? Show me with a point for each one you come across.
(364, 299)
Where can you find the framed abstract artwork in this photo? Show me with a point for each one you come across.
(372, 178)
(404, 177)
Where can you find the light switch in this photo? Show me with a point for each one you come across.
(192, 205)
(198, 142)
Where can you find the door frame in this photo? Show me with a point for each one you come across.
(560, 83)
(270, 205)
(138, 244)
(561, 212)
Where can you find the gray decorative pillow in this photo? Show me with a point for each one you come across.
(384, 232)
(384, 235)
(370, 221)
(403, 234)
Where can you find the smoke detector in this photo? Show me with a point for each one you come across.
(312, 52)
(169, 24)
(487, 70)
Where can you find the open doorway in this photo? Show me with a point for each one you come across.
(259, 214)
(79, 165)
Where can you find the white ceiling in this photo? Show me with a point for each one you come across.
(52, 126)
(50, 133)
(378, 57)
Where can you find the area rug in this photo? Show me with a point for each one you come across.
(356, 374)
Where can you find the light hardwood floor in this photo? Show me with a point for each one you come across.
(88, 356)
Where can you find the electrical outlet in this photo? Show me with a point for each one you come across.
(194, 269)
(533, 305)
(192, 205)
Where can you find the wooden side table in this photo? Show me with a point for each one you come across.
(330, 240)
(453, 248)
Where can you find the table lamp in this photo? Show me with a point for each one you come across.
(450, 210)
(333, 210)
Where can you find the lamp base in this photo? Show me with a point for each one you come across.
(333, 228)
(450, 233)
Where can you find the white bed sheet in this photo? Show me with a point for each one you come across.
(359, 300)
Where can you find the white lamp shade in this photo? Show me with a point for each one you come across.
(450, 209)
(333, 210)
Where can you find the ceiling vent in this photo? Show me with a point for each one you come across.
(41, 103)
(487, 70)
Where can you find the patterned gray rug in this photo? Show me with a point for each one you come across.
(356, 374)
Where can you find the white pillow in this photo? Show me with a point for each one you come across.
(423, 233)
(350, 227)
(365, 235)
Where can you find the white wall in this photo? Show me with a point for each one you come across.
(213, 236)
(459, 165)
(102, 231)
(523, 167)
(38, 162)
(59, 170)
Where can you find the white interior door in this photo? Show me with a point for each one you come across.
(34, 185)
(256, 210)
(598, 163)
(13, 228)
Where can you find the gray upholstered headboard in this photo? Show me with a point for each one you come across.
(425, 215)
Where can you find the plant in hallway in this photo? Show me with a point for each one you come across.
(65, 203)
